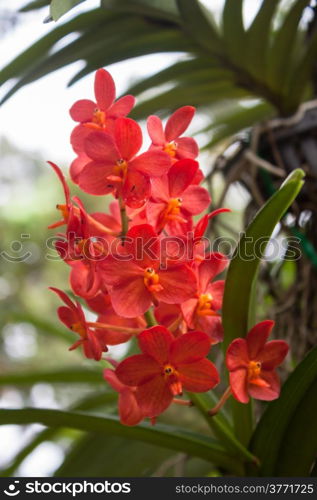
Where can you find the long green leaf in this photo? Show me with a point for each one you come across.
(91, 402)
(233, 30)
(167, 40)
(240, 277)
(36, 4)
(288, 426)
(156, 9)
(39, 50)
(69, 375)
(97, 455)
(59, 7)
(258, 36)
(198, 22)
(169, 437)
(285, 38)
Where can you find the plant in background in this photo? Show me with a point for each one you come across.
(157, 194)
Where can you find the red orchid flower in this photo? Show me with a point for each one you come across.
(166, 367)
(169, 139)
(65, 207)
(137, 278)
(115, 168)
(74, 318)
(175, 200)
(252, 362)
(129, 410)
(85, 244)
(203, 311)
(101, 114)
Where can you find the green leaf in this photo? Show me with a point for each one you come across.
(287, 428)
(69, 375)
(59, 7)
(220, 426)
(233, 30)
(97, 455)
(91, 402)
(198, 22)
(241, 273)
(166, 40)
(195, 95)
(285, 38)
(36, 4)
(169, 437)
(258, 36)
(226, 124)
(156, 9)
(300, 78)
(39, 50)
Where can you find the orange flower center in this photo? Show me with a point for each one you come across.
(204, 305)
(152, 280)
(171, 377)
(99, 118)
(254, 370)
(170, 148)
(120, 169)
(79, 328)
(64, 211)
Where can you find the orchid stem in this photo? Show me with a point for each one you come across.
(221, 402)
(150, 318)
(124, 218)
(183, 402)
(105, 326)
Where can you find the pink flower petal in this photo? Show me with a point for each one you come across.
(257, 337)
(190, 347)
(266, 393)
(178, 122)
(154, 396)
(77, 166)
(156, 343)
(142, 243)
(129, 410)
(93, 178)
(155, 130)
(180, 176)
(101, 147)
(187, 147)
(153, 163)
(195, 199)
(239, 385)
(137, 370)
(213, 265)
(273, 354)
(121, 107)
(237, 355)
(105, 90)
(216, 289)
(200, 376)
(116, 269)
(179, 284)
(128, 137)
(82, 110)
(131, 298)
(136, 189)
(78, 137)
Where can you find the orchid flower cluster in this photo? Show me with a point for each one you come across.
(145, 268)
